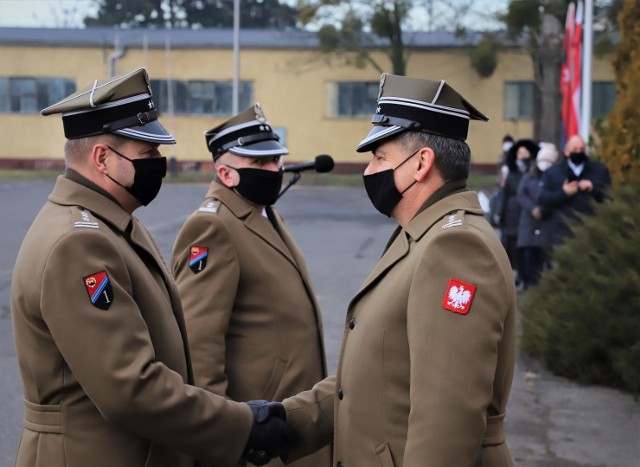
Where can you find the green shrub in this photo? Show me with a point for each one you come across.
(583, 320)
(484, 57)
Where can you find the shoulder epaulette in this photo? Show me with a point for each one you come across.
(82, 219)
(209, 206)
(453, 220)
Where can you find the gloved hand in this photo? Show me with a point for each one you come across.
(270, 435)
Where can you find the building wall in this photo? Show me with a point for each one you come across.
(291, 85)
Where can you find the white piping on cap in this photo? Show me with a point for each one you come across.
(438, 93)
(93, 89)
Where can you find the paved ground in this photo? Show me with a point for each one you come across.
(551, 421)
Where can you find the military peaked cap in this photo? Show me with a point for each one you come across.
(406, 103)
(247, 134)
(120, 105)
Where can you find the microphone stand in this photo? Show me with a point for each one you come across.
(294, 178)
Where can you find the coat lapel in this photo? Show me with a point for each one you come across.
(143, 240)
(263, 228)
(252, 218)
(396, 251)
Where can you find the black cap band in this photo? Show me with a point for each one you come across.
(140, 119)
(218, 147)
(109, 119)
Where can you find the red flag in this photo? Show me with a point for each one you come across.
(566, 78)
(576, 59)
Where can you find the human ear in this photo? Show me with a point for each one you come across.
(99, 158)
(226, 175)
(426, 160)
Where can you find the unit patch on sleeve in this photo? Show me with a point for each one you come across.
(198, 258)
(99, 289)
(458, 296)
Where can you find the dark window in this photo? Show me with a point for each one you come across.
(603, 97)
(355, 99)
(200, 97)
(31, 95)
(518, 100)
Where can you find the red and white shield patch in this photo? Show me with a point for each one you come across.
(459, 296)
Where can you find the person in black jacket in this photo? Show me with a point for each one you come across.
(519, 159)
(537, 225)
(570, 187)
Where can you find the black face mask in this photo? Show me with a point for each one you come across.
(382, 191)
(577, 157)
(259, 186)
(147, 179)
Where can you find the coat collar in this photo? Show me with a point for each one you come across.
(461, 201)
(67, 192)
(252, 218)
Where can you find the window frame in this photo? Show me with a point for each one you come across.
(352, 99)
(518, 110)
(31, 94)
(191, 97)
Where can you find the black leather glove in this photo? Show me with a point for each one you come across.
(270, 435)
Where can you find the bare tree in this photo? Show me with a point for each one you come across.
(350, 30)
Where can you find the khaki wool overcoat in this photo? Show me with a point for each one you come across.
(102, 349)
(254, 325)
(425, 368)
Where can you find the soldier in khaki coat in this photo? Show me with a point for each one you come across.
(98, 324)
(429, 347)
(254, 325)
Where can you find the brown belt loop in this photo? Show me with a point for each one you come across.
(494, 433)
(43, 418)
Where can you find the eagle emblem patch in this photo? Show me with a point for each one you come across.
(99, 289)
(198, 258)
(459, 296)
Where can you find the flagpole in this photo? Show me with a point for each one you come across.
(585, 115)
(236, 56)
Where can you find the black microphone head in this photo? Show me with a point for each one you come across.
(324, 163)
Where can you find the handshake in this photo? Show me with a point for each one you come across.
(270, 435)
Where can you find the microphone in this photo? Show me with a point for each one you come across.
(322, 163)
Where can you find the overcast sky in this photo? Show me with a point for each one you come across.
(70, 13)
(44, 13)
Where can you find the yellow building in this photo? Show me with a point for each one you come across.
(315, 104)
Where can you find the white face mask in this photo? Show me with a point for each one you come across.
(506, 146)
(543, 165)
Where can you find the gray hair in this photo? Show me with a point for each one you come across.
(453, 156)
(77, 150)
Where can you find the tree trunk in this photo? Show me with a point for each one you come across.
(550, 59)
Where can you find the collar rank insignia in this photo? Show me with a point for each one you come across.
(458, 296)
(198, 258)
(99, 290)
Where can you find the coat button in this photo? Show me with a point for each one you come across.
(339, 464)
(352, 323)
(340, 394)
(536, 232)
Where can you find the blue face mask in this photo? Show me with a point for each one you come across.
(381, 188)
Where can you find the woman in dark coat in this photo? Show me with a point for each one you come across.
(519, 158)
(536, 226)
